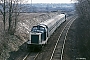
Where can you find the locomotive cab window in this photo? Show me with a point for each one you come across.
(34, 28)
(38, 28)
(42, 28)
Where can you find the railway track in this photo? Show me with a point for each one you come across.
(28, 56)
(58, 50)
(31, 56)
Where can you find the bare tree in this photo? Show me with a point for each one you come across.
(83, 35)
(15, 14)
(13, 9)
(3, 11)
(83, 8)
(10, 15)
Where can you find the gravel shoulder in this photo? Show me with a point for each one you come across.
(71, 50)
(76, 43)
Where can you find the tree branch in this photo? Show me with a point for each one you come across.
(1, 11)
(88, 2)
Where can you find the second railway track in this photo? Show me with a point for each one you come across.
(58, 50)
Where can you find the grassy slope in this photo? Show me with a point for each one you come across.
(11, 43)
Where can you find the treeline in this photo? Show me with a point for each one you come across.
(83, 28)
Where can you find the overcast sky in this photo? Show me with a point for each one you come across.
(50, 1)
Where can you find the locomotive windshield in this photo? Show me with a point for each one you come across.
(42, 28)
(38, 29)
(34, 28)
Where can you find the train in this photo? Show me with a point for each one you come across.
(40, 33)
